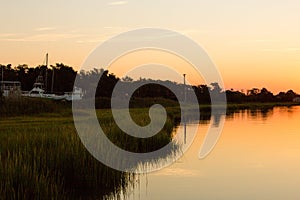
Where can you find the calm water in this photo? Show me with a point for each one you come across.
(257, 157)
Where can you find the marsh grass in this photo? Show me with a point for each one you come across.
(141, 117)
(46, 160)
(18, 106)
(42, 157)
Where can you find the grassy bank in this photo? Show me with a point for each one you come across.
(23, 106)
(42, 157)
(259, 105)
(32, 106)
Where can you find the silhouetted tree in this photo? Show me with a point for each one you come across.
(265, 96)
(235, 96)
(202, 93)
(64, 77)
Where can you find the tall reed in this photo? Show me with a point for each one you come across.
(42, 157)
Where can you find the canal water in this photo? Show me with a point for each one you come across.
(257, 156)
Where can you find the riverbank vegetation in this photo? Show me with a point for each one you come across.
(42, 157)
(22, 106)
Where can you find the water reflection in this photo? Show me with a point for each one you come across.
(257, 157)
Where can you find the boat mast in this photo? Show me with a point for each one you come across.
(46, 78)
(52, 84)
(2, 73)
(2, 86)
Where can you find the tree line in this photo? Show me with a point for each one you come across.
(64, 77)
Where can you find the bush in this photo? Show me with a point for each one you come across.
(28, 106)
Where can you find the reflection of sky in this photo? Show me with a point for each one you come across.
(254, 159)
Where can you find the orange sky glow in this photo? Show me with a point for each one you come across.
(253, 43)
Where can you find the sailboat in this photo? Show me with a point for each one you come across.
(38, 89)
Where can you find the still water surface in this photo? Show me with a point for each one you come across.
(256, 157)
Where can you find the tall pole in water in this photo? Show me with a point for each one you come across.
(184, 82)
(46, 78)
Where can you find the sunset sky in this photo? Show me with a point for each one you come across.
(253, 43)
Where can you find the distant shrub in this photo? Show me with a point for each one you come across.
(28, 106)
(105, 102)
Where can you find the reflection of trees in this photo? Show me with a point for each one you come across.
(266, 112)
(217, 119)
(262, 113)
(205, 116)
(253, 113)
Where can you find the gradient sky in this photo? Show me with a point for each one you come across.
(253, 43)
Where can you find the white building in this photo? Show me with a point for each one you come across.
(10, 88)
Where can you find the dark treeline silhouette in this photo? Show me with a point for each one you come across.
(64, 77)
(260, 95)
